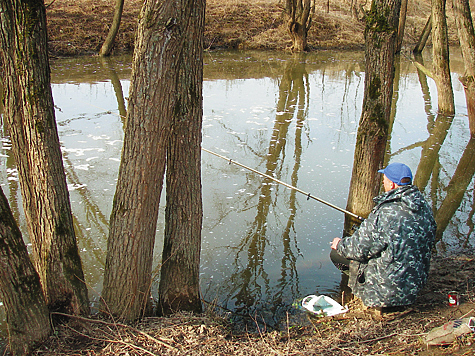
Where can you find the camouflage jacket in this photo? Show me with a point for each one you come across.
(390, 252)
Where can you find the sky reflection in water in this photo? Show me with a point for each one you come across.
(264, 245)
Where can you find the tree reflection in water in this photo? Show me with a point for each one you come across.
(247, 281)
(272, 261)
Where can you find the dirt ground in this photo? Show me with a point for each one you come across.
(78, 27)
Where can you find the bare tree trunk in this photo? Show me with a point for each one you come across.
(29, 113)
(299, 13)
(20, 289)
(1, 96)
(440, 55)
(402, 25)
(152, 105)
(424, 37)
(114, 29)
(466, 34)
(354, 9)
(179, 278)
(380, 45)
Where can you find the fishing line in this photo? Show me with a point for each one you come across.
(308, 195)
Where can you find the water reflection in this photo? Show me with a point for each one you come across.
(244, 289)
(107, 63)
(454, 198)
(294, 118)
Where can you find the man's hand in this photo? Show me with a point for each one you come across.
(335, 242)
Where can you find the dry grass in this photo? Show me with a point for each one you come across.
(358, 332)
(79, 27)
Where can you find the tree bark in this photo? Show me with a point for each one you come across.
(380, 45)
(179, 279)
(29, 113)
(424, 37)
(401, 26)
(466, 34)
(20, 289)
(300, 20)
(440, 55)
(152, 105)
(114, 29)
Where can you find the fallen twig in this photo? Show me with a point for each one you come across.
(119, 324)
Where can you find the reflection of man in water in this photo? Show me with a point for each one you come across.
(390, 252)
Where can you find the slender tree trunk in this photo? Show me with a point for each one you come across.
(29, 113)
(440, 55)
(424, 37)
(300, 20)
(152, 106)
(466, 34)
(20, 289)
(469, 86)
(1, 94)
(114, 29)
(354, 9)
(380, 45)
(179, 279)
(402, 25)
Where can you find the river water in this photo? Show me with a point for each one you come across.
(292, 117)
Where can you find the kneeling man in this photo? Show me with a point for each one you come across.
(390, 252)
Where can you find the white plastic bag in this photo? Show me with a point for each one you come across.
(322, 305)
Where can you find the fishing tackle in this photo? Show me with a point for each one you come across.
(285, 184)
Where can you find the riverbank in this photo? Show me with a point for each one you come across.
(357, 332)
(80, 27)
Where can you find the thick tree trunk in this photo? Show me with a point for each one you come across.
(29, 113)
(20, 289)
(179, 279)
(380, 45)
(152, 106)
(467, 43)
(299, 22)
(440, 55)
(424, 37)
(114, 29)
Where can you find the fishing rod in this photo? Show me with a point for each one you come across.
(308, 195)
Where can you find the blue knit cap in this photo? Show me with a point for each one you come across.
(396, 172)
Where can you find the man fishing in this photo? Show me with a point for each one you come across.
(389, 254)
